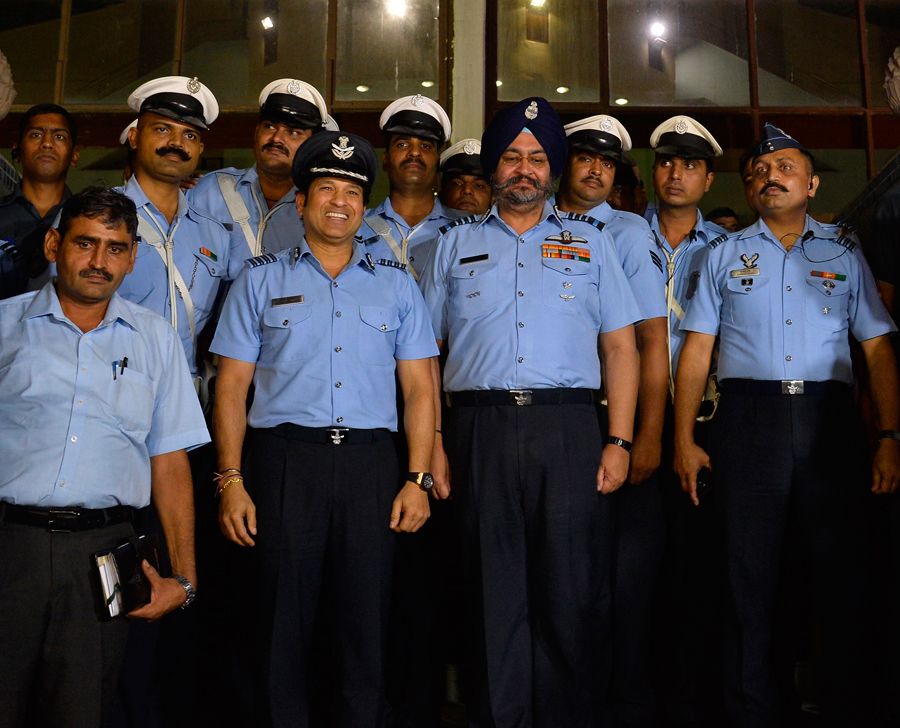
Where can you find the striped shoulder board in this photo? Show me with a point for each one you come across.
(263, 259)
(846, 239)
(581, 217)
(467, 220)
(716, 242)
(390, 263)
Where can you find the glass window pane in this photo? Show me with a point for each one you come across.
(29, 38)
(883, 25)
(808, 53)
(236, 48)
(387, 49)
(550, 50)
(115, 46)
(678, 54)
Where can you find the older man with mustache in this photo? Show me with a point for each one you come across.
(521, 296)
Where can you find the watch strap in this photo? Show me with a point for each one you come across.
(188, 590)
(889, 435)
(624, 444)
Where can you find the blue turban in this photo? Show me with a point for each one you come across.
(541, 120)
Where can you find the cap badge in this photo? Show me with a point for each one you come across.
(294, 87)
(681, 126)
(470, 148)
(417, 100)
(606, 125)
(341, 150)
(749, 260)
(532, 111)
(193, 86)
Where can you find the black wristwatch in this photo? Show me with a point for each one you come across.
(624, 444)
(188, 590)
(888, 435)
(423, 480)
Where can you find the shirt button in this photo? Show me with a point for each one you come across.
(789, 322)
(285, 322)
(788, 288)
(334, 284)
(74, 438)
(337, 385)
(521, 324)
(80, 401)
(521, 265)
(338, 349)
(789, 358)
(337, 313)
(383, 327)
(339, 420)
(521, 293)
(520, 359)
(521, 240)
(62, 483)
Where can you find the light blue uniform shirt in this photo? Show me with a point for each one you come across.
(421, 237)
(787, 315)
(281, 226)
(635, 248)
(324, 348)
(72, 434)
(680, 266)
(515, 316)
(200, 253)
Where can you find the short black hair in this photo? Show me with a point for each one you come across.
(99, 202)
(39, 109)
(721, 212)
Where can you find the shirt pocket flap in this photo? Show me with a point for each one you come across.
(566, 267)
(282, 317)
(380, 318)
(745, 284)
(472, 270)
(828, 287)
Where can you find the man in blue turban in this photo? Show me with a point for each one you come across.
(521, 295)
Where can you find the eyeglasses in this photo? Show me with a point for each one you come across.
(511, 159)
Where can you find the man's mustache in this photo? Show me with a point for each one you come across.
(180, 153)
(91, 272)
(514, 181)
(773, 185)
(276, 145)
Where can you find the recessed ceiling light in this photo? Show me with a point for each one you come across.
(267, 23)
(621, 102)
(657, 29)
(499, 82)
(538, 3)
(362, 89)
(427, 84)
(562, 89)
(397, 8)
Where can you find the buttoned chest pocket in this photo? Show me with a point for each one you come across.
(131, 401)
(827, 303)
(206, 274)
(213, 268)
(378, 335)
(286, 332)
(745, 302)
(473, 288)
(566, 285)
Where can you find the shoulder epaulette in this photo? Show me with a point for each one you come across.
(468, 219)
(845, 241)
(263, 259)
(367, 241)
(715, 242)
(581, 217)
(391, 263)
(9, 248)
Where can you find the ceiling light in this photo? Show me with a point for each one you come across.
(657, 29)
(427, 84)
(499, 83)
(362, 89)
(538, 3)
(267, 23)
(562, 89)
(621, 102)
(397, 8)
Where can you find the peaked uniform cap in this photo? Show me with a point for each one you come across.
(177, 97)
(464, 157)
(682, 136)
(335, 154)
(293, 102)
(416, 116)
(599, 134)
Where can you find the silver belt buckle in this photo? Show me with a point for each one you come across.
(521, 396)
(58, 517)
(792, 386)
(337, 434)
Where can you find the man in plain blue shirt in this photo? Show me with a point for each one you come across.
(96, 412)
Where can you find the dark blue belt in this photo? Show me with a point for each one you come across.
(329, 435)
(791, 387)
(521, 397)
(65, 520)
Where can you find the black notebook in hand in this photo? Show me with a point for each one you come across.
(123, 586)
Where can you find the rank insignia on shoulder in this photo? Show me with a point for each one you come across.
(844, 241)
(581, 217)
(566, 252)
(209, 254)
(9, 248)
(467, 220)
(287, 299)
(263, 259)
(715, 242)
(391, 263)
(657, 261)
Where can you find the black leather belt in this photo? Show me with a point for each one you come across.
(330, 435)
(521, 397)
(784, 386)
(65, 520)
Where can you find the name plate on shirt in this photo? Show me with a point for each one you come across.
(287, 299)
(742, 272)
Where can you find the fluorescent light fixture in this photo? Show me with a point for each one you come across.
(362, 89)
(657, 29)
(562, 89)
(267, 23)
(621, 101)
(427, 84)
(397, 8)
(538, 3)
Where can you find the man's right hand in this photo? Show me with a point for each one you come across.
(237, 515)
(689, 460)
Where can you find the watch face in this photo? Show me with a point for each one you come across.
(427, 481)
